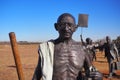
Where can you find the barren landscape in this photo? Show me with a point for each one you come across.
(29, 56)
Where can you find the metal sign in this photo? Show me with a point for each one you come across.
(83, 20)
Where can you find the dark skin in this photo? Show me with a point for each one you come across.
(69, 59)
(69, 56)
(89, 47)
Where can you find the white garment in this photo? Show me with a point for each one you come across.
(46, 52)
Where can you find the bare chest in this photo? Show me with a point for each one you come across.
(68, 57)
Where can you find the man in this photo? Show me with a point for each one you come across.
(100, 47)
(111, 53)
(63, 58)
(89, 47)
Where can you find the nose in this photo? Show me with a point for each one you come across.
(66, 27)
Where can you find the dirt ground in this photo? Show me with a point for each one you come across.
(29, 56)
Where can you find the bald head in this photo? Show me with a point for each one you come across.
(63, 16)
(65, 25)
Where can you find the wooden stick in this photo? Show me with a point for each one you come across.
(16, 55)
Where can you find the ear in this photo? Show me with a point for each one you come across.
(75, 28)
(56, 26)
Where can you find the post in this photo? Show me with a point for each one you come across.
(16, 55)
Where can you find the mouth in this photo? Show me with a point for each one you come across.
(67, 34)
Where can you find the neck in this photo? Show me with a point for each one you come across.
(64, 40)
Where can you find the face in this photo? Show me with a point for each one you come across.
(66, 26)
(88, 41)
(108, 40)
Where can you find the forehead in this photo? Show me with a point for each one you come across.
(67, 19)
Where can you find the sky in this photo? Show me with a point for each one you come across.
(33, 20)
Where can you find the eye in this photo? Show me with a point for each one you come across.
(65, 24)
(71, 25)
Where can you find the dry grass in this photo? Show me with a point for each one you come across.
(29, 56)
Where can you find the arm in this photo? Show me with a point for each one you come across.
(91, 71)
(38, 72)
(83, 43)
(87, 65)
(115, 48)
(116, 52)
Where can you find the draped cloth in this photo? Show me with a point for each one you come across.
(46, 52)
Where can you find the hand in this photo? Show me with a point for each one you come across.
(81, 35)
(96, 75)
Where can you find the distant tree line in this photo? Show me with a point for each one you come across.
(19, 42)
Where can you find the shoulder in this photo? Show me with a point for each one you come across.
(80, 48)
(75, 42)
(46, 44)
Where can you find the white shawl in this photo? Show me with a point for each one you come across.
(46, 52)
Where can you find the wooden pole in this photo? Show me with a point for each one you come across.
(16, 55)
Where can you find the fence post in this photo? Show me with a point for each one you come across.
(16, 55)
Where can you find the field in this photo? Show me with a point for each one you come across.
(29, 56)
